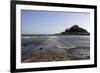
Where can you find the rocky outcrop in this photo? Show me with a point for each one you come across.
(75, 30)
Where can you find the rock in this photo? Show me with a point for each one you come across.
(41, 48)
(80, 52)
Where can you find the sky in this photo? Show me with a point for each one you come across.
(51, 22)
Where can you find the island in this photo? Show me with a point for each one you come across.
(75, 30)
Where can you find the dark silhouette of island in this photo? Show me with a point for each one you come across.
(75, 30)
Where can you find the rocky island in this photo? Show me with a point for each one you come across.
(75, 30)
